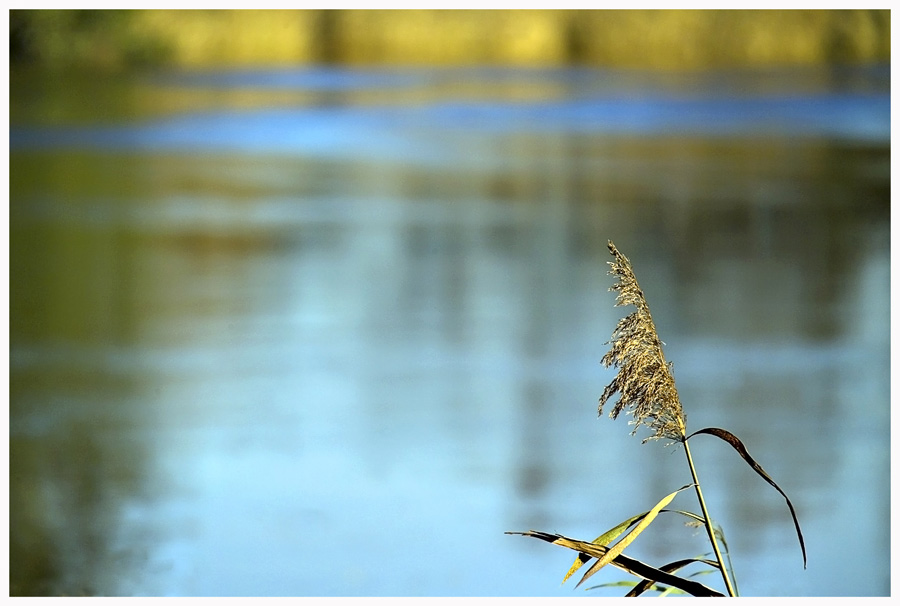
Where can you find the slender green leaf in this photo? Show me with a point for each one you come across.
(617, 549)
(721, 534)
(610, 535)
(663, 590)
(630, 565)
(739, 447)
(669, 590)
(617, 584)
(699, 572)
(687, 514)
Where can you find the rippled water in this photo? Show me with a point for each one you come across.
(332, 332)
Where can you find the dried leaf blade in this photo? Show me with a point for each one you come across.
(617, 549)
(732, 439)
(610, 535)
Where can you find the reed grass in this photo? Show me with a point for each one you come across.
(644, 387)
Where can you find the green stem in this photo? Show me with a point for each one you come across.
(708, 520)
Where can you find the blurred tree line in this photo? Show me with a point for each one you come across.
(655, 39)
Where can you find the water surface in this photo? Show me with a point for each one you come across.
(332, 332)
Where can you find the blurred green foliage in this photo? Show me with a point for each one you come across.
(85, 38)
(657, 39)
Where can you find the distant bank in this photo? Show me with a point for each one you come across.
(648, 39)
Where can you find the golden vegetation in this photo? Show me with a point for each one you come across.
(656, 39)
(644, 383)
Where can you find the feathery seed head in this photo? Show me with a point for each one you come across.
(645, 383)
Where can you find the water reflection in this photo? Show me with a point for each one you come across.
(226, 368)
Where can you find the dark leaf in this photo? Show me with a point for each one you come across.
(644, 585)
(630, 565)
(739, 446)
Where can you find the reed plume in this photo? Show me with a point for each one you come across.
(645, 383)
(646, 389)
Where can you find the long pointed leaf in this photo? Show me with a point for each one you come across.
(670, 567)
(663, 590)
(739, 447)
(629, 565)
(687, 514)
(617, 549)
(617, 530)
(610, 535)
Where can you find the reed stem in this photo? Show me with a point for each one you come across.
(709, 528)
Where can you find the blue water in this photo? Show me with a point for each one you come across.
(591, 107)
(337, 343)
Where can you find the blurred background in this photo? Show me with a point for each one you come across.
(312, 303)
